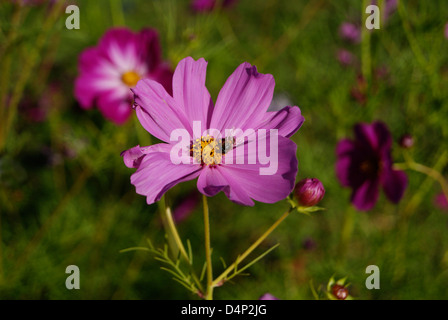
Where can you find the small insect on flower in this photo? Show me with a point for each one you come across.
(365, 163)
(108, 71)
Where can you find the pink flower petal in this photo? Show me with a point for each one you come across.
(148, 48)
(157, 174)
(243, 100)
(116, 110)
(288, 120)
(133, 157)
(190, 92)
(157, 111)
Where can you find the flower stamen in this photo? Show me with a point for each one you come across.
(207, 150)
(130, 78)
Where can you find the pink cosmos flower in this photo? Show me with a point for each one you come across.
(120, 60)
(242, 104)
(365, 164)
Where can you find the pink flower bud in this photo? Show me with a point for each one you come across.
(309, 192)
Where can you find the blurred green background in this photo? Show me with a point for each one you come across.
(65, 194)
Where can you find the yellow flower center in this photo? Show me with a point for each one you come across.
(130, 78)
(209, 151)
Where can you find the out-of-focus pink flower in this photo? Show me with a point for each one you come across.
(345, 57)
(446, 30)
(441, 201)
(365, 164)
(268, 296)
(242, 104)
(209, 5)
(350, 32)
(109, 70)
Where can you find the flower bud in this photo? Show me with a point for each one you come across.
(309, 192)
(406, 141)
(339, 292)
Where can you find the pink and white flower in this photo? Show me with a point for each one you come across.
(109, 70)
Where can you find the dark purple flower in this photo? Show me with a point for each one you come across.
(350, 32)
(365, 164)
(309, 192)
(441, 201)
(209, 5)
(268, 296)
(110, 70)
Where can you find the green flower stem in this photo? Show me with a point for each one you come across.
(430, 172)
(170, 238)
(208, 253)
(218, 281)
(412, 204)
(180, 246)
(175, 234)
(174, 242)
